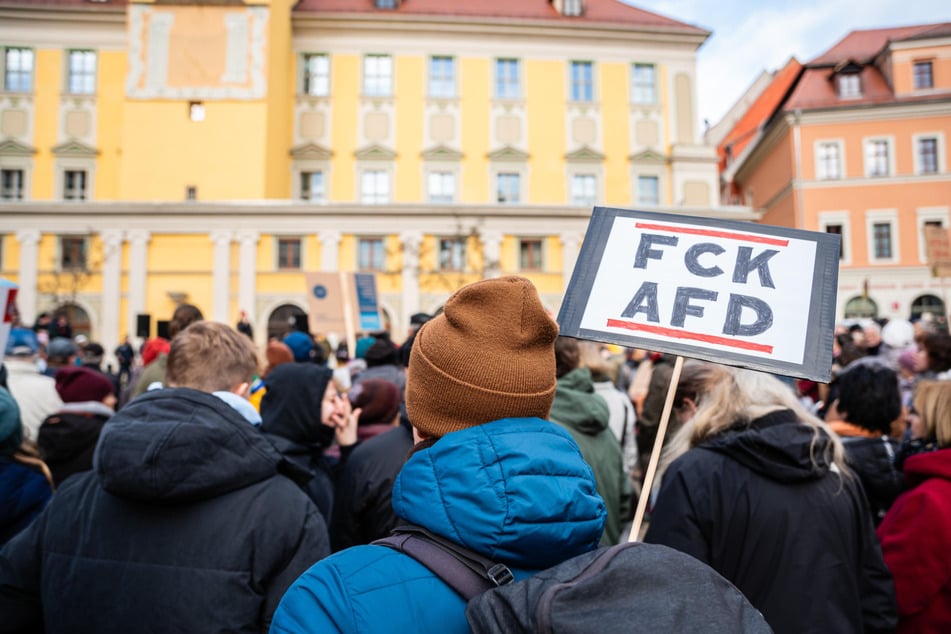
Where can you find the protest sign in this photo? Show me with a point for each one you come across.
(938, 250)
(8, 295)
(732, 292)
(341, 304)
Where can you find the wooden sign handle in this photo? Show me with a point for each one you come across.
(655, 454)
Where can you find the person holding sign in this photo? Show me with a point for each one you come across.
(758, 488)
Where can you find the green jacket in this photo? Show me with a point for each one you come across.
(585, 415)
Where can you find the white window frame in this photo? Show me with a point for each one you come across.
(22, 187)
(436, 186)
(849, 85)
(841, 218)
(639, 89)
(916, 155)
(375, 186)
(315, 82)
(442, 86)
(869, 160)
(86, 77)
(59, 251)
(30, 73)
(637, 190)
(589, 183)
(359, 263)
(914, 74)
(882, 216)
(543, 248)
(377, 75)
(496, 190)
(512, 85)
(818, 163)
(929, 214)
(581, 89)
(87, 184)
(463, 254)
(311, 198)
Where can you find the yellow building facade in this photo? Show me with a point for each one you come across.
(216, 152)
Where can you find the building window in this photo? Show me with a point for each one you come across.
(828, 161)
(506, 79)
(72, 253)
(375, 187)
(12, 184)
(316, 75)
(643, 84)
(583, 189)
(82, 73)
(386, 4)
(850, 86)
(442, 187)
(876, 158)
(442, 77)
(18, 69)
(74, 185)
(508, 188)
(582, 81)
(571, 8)
(288, 254)
(928, 155)
(452, 254)
(371, 256)
(648, 190)
(837, 230)
(530, 255)
(882, 240)
(312, 186)
(923, 75)
(377, 76)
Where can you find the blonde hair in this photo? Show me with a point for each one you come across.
(730, 396)
(601, 369)
(933, 402)
(210, 357)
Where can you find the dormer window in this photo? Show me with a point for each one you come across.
(387, 4)
(849, 85)
(570, 8)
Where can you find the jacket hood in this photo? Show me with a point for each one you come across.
(933, 464)
(69, 433)
(515, 490)
(777, 446)
(291, 407)
(578, 406)
(179, 444)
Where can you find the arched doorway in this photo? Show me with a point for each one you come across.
(861, 308)
(77, 317)
(929, 304)
(283, 319)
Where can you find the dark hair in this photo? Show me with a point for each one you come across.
(938, 347)
(183, 316)
(868, 396)
(567, 355)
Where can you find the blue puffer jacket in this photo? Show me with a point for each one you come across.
(514, 490)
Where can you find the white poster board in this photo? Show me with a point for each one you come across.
(732, 292)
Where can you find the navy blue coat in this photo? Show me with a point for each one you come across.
(516, 491)
(184, 524)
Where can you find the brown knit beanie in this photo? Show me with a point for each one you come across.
(489, 355)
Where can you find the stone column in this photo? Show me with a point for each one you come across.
(111, 289)
(492, 253)
(329, 250)
(221, 275)
(410, 241)
(570, 242)
(29, 240)
(138, 272)
(247, 277)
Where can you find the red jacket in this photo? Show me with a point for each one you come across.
(916, 543)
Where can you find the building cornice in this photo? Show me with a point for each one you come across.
(938, 106)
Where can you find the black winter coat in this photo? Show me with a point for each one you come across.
(185, 525)
(873, 460)
(792, 535)
(363, 511)
(67, 439)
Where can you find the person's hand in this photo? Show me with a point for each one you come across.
(345, 420)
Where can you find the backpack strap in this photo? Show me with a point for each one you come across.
(468, 573)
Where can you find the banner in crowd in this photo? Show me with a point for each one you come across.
(343, 304)
(938, 250)
(732, 292)
(8, 296)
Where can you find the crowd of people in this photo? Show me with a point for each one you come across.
(207, 485)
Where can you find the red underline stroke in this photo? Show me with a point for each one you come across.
(694, 336)
(715, 234)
